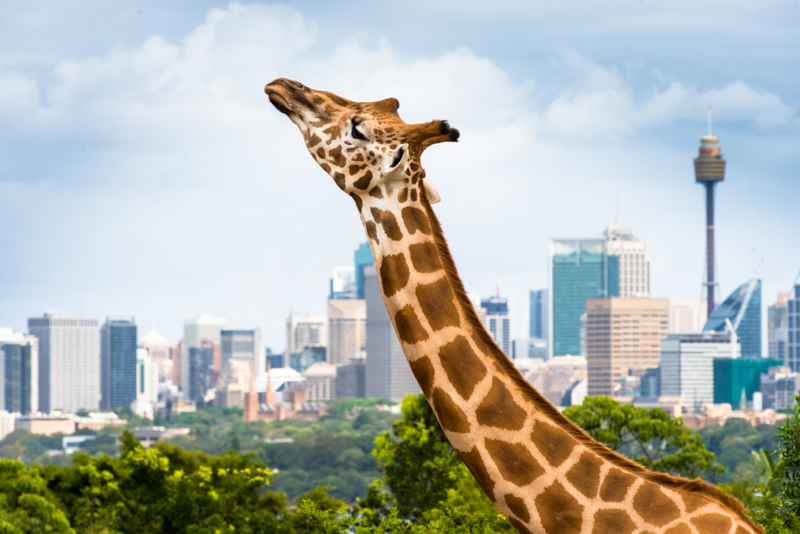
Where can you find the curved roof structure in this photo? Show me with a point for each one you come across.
(153, 339)
(749, 329)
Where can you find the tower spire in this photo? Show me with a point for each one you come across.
(709, 119)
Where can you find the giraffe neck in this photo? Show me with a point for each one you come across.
(541, 471)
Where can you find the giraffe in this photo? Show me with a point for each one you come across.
(541, 471)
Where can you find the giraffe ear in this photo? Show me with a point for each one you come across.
(431, 192)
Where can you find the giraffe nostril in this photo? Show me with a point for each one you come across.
(398, 156)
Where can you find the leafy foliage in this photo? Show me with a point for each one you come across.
(649, 437)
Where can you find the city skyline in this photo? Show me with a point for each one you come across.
(581, 125)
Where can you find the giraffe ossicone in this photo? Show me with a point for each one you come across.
(541, 471)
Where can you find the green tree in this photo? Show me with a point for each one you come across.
(649, 437)
(789, 464)
(26, 505)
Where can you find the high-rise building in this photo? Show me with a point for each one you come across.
(743, 309)
(622, 334)
(779, 386)
(161, 354)
(146, 377)
(499, 322)
(687, 316)
(195, 330)
(243, 345)
(792, 359)
(351, 379)
(202, 375)
(343, 283)
(347, 329)
(709, 168)
(20, 372)
(69, 362)
(362, 259)
(234, 383)
(634, 261)
(732, 376)
(777, 334)
(579, 269)
(687, 365)
(537, 315)
(303, 330)
(117, 363)
(388, 374)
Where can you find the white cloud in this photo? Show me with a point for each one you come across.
(201, 197)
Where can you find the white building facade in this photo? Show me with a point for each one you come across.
(303, 330)
(69, 362)
(687, 316)
(634, 261)
(687, 365)
(195, 330)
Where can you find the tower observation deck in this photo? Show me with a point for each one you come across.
(709, 169)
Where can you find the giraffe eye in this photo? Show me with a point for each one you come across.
(356, 133)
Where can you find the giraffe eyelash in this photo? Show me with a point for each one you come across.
(354, 131)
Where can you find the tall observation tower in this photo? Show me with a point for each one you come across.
(709, 168)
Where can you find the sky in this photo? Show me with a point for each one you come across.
(143, 172)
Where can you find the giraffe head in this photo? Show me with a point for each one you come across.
(365, 146)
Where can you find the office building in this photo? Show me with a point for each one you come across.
(202, 375)
(530, 347)
(687, 316)
(202, 327)
(161, 354)
(687, 365)
(302, 360)
(347, 329)
(634, 261)
(351, 379)
(777, 334)
(146, 377)
(362, 259)
(274, 361)
(243, 345)
(650, 383)
(743, 309)
(779, 386)
(20, 372)
(117, 363)
(69, 362)
(303, 330)
(792, 359)
(320, 381)
(343, 283)
(556, 377)
(234, 383)
(578, 269)
(499, 321)
(709, 169)
(739, 378)
(622, 334)
(388, 374)
(537, 314)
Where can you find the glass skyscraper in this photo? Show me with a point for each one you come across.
(537, 316)
(749, 329)
(792, 358)
(362, 258)
(117, 364)
(579, 269)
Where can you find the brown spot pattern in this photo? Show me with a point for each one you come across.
(389, 223)
(409, 328)
(372, 231)
(363, 182)
(585, 474)
(517, 507)
(517, 524)
(463, 367)
(353, 169)
(376, 192)
(438, 304)
(314, 140)
(415, 219)
(423, 372)
(451, 417)
(337, 157)
(474, 463)
(559, 512)
(741, 530)
(394, 273)
(712, 523)
(514, 462)
(693, 501)
(616, 484)
(555, 444)
(681, 528)
(402, 196)
(325, 167)
(613, 521)
(357, 199)
(425, 257)
(498, 409)
(654, 506)
(340, 180)
(321, 153)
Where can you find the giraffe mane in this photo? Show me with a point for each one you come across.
(678, 483)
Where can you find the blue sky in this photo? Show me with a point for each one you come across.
(143, 172)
